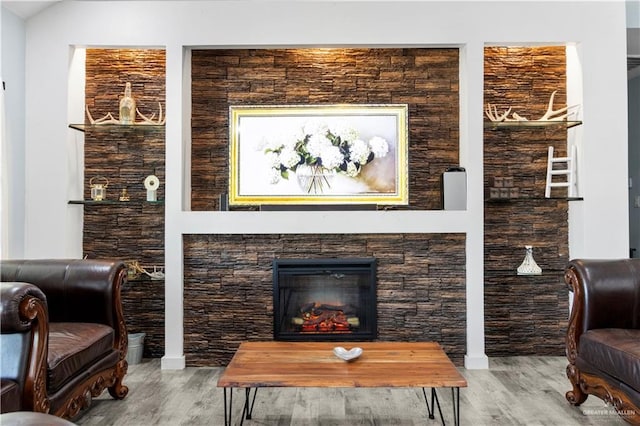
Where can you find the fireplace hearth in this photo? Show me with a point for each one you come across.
(324, 299)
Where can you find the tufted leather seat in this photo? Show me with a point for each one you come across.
(613, 351)
(73, 346)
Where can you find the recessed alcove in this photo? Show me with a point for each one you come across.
(124, 156)
(427, 79)
(524, 315)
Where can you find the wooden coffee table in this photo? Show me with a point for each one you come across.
(313, 364)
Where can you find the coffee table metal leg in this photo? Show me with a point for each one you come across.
(247, 408)
(426, 400)
(435, 394)
(247, 411)
(455, 398)
(434, 402)
(429, 410)
(227, 411)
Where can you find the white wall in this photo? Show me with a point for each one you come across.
(13, 66)
(598, 28)
(633, 13)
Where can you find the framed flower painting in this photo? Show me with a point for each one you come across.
(330, 154)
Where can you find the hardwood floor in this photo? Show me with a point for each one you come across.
(513, 391)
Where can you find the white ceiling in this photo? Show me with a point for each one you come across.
(26, 9)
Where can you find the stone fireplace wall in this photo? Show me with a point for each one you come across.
(421, 278)
(524, 315)
(228, 287)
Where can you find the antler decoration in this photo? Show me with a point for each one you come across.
(149, 120)
(127, 115)
(552, 115)
(157, 273)
(109, 118)
(492, 113)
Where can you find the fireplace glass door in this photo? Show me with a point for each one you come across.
(324, 299)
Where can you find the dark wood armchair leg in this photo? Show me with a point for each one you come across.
(118, 390)
(575, 396)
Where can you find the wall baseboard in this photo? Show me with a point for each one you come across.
(172, 363)
(480, 362)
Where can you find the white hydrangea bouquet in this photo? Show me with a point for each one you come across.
(318, 151)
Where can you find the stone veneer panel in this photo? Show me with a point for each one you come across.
(425, 79)
(228, 287)
(125, 156)
(525, 315)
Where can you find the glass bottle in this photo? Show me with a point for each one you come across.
(127, 107)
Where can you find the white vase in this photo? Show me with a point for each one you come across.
(314, 179)
(529, 265)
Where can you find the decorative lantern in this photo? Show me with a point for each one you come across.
(98, 189)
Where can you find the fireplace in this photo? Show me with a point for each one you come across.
(324, 299)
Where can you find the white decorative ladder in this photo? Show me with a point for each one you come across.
(568, 171)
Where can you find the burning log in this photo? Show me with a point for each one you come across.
(313, 307)
(326, 318)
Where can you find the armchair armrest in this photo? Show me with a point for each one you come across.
(606, 295)
(24, 336)
(12, 296)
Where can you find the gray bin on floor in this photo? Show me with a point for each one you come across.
(136, 347)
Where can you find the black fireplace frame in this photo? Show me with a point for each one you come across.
(327, 266)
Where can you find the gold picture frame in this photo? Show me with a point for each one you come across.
(318, 154)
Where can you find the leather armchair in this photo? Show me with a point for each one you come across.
(603, 336)
(76, 314)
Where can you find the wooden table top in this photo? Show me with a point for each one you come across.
(313, 364)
